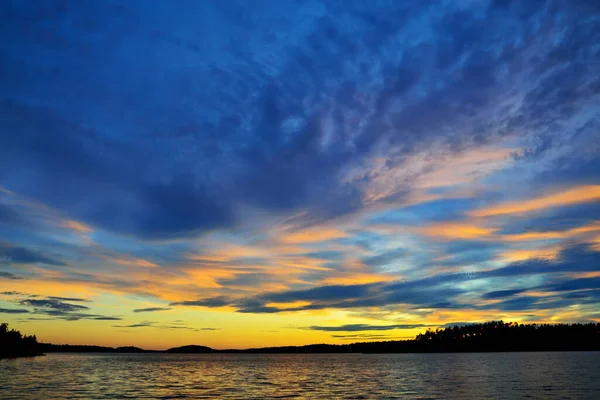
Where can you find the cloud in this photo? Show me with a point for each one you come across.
(77, 299)
(13, 311)
(73, 316)
(52, 304)
(278, 129)
(9, 216)
(151, 324)
(138, 325)
(581, 194)
(8, 275)
(384, 258)
(364, 337)
(56, 308)
(151, 309)
(574, 284)
(22, 255)
(208, 302)
(498, 294)
(365, 327)
(436, 291)
(454, 231)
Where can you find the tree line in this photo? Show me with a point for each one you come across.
(494, 336)
(13, 344)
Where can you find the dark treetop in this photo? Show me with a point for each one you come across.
(13, 344)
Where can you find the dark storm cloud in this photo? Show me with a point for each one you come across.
(22, 255)
(274, 122)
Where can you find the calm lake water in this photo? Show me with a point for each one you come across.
(313, 376)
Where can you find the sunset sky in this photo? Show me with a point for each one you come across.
(258, 173)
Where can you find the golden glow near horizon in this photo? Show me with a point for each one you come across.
(141, 301)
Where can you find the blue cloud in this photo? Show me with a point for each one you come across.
(499, 294)
(22, 255)
(8, 275)
(271, 122)
(10, 216)
(13, 311)
(208, 302)
(55, 305)
(441, 290)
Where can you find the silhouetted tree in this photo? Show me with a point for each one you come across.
(13, 344)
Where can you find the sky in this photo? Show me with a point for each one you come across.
(260, 173)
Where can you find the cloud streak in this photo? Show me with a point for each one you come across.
(151, 309)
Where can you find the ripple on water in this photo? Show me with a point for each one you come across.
(347, 376)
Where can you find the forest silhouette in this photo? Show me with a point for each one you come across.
(494, 336)
(13, 344)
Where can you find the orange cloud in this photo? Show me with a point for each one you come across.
(313, 235)
(595, 274)
(76, 226)
(294, 304)
(595, 243)
(452, 230)
(569, 233)
(357, 278)
(467, 167)
(132, 262)
(526, 254)
(575, 195)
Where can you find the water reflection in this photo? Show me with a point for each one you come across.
(406, 376)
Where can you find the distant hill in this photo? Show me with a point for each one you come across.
(78, 348)
(487, 337)
(70, 348)
(129, 349)
(192, 349)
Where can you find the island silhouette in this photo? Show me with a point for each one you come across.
(13, 344)
(494, 336)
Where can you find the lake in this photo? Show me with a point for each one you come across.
(545, 375)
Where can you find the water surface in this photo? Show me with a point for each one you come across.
(551, 375)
